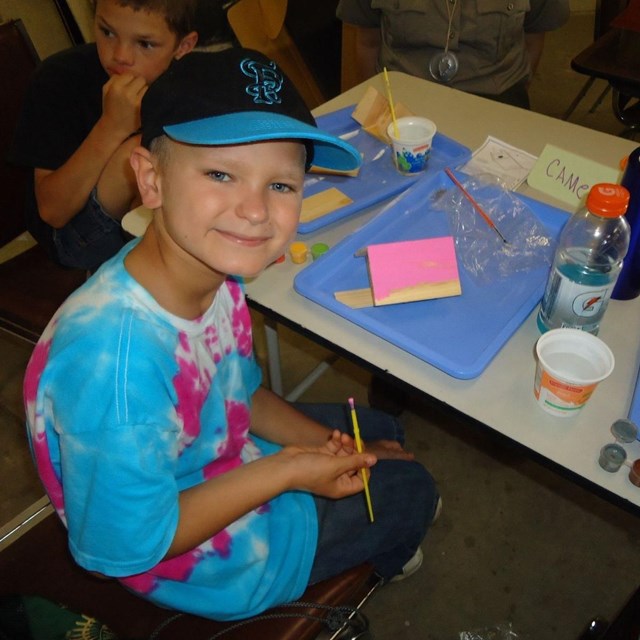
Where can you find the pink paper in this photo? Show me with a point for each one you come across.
(396, 266)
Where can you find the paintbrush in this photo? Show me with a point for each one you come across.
(356, 433)
(387, 85)
(476, 206)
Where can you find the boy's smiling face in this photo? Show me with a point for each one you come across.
(232, 208)
(136, 42)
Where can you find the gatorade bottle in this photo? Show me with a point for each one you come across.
(588, 259)
(628, 285)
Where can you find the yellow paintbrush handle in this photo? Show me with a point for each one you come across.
(390, 99)
(356, 432)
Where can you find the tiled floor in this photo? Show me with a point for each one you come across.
(517, 542)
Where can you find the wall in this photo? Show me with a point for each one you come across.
(42, 22)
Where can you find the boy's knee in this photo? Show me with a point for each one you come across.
(407, 485)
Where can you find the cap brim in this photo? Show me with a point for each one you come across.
(330, 152)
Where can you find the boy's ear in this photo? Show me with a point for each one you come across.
(147, 177)
(186, 45)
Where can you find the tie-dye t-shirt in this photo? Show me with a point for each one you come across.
(127, 405)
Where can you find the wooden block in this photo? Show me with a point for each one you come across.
(374, 114)
(320, 204)
(413, 270)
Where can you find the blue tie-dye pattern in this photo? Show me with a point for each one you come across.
(109, 403)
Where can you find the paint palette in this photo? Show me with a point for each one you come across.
(329, 198)
(459, 335)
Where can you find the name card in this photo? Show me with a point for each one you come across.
(568, 176)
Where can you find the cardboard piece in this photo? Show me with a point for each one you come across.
(374, 114)
(568, 176)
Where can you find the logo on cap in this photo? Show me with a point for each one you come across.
(267, 81)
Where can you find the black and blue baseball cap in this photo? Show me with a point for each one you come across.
(236, 96)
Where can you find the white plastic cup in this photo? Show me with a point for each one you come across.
(412, 144)
(570, 365)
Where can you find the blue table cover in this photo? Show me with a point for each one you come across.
(459, 335)
(378, 178)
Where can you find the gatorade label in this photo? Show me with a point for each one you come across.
(570, 304)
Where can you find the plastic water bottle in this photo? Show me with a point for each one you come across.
(588, 259)
(628, 285)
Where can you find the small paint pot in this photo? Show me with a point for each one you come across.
(298, 252)
(612, 457)
(634, 473)
(318, 249)
(624, 430)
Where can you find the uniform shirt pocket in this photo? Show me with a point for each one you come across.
(500, 26)
(413, 23)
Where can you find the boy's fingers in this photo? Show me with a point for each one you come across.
(356, 461)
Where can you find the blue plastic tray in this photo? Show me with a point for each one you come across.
(459, 335)
(377, 179)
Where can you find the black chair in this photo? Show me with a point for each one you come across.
(32, 286)
(605, 12)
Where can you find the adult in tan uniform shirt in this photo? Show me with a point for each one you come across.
(496, 43)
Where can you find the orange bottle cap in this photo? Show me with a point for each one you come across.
(608, 200)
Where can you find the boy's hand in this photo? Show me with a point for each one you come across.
(328, 471)
(343, 444)
(121, 98)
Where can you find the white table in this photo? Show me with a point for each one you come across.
(502, 397)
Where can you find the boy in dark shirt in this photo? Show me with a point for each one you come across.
(79, 126)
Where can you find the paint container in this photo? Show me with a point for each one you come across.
(612, 457)
(571, 364)
(318, 249)
(411, 139)
(298, 252)
(624, 430)
(634, 473)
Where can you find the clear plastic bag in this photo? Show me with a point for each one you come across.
(499, 632)
(479, 248)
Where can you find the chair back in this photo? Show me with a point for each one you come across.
(18, 59)
(606, 11)
(259, 25)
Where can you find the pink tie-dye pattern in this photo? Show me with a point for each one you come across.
(47, 473)
(212, 339)
(177, 569)
(229, 452)
(241, 320)
(36, 366)
(222, 543)
(192, 390)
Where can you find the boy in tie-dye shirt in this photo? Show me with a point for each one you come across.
(171, 467)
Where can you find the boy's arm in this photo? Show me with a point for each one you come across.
(207, 508)
(275, 420)
(62, 193)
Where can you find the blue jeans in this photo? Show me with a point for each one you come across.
(90, 238)
(403, 495)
